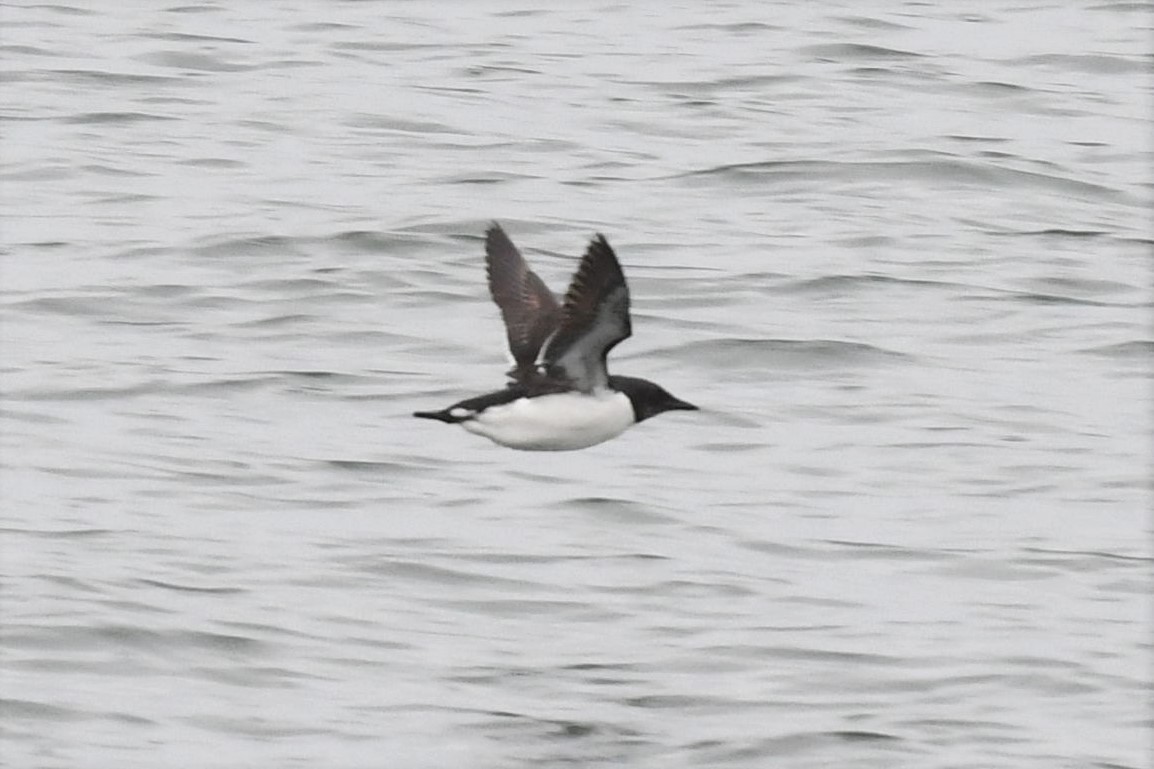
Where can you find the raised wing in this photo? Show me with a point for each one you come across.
(529, 309)
(594, 318)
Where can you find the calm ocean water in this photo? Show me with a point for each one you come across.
(900, 256)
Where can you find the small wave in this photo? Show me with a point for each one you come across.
(887, 552)
(211, 163)
(500, 69)
(185, 36)
(1039, 297)
(842, 284)
(1086, 63)
(40, 173)
(200, 8)
(115, 118)
(518, 607)
(977, 139)
(730, 447)
(733, 353)
(27, 50)
(1141, 350)
(193, 62)
(401, 125)
(382, 469)
(230, 384)
(103, 637)
(999, 87)
(1093, 286)
(65, 10)
(191, 588)
(256, 245)
(616, 510)
(275, 321)
(88, 393)
(801, 744)
(378, 243)
(1123, 6)
(870, 23)
(854, 735)
(780, 550)
(246, 726)
(1060, 233)
(293, 285)
(378, 45)
(488, 177)
(12, 710)
(735, 26)
(719, 84)
(92, 306)
(31, 417)
(150, 387)
(100, 77)
(59, 534)
(1085, 560)
(414, 571)
(936, 171)
(129, 198)
(858, 52)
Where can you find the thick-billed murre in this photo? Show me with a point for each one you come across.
(560, 396)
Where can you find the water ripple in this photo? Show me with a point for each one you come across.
(900, 259)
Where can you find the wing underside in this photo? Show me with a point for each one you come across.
(529, 309)
(594, 319)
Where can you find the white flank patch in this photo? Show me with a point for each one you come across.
(558, 422)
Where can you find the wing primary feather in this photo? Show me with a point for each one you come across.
(528, 308)
(594, 319)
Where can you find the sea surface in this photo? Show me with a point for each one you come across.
(899, 253)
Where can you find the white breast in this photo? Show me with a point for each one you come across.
(558, 422)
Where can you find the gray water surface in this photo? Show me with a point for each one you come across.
(900, 257)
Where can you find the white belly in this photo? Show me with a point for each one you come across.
(558, 422)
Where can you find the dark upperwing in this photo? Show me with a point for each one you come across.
(529, 309)
(594, 318)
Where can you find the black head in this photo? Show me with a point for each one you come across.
(648, 399)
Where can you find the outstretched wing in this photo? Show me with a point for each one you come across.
(528, 307)
(594, 318)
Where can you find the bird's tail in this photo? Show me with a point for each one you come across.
(440, 416)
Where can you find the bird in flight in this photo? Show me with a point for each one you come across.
(560, 396)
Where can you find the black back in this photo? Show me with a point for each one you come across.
(470, 406)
